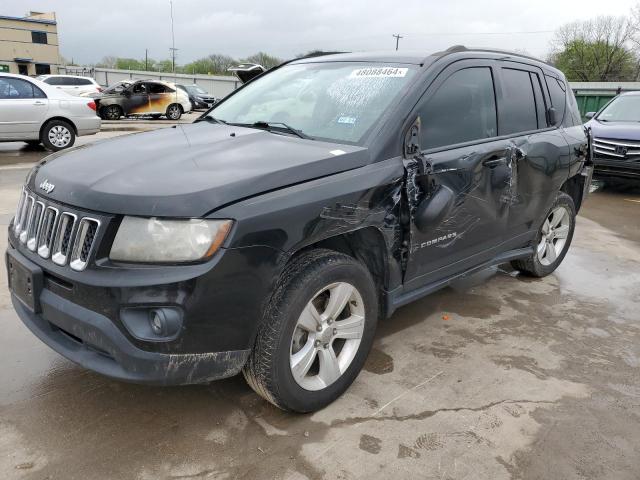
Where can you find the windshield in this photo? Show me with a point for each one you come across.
(119, 85)
(336, 101)
(195, 90)
(625, 108)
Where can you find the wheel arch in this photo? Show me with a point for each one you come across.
(63, 119)
(574, 186)
(367, 245)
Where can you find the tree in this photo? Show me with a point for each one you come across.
(596, 50)
(107, 62)
(214, 64)
(264, 59)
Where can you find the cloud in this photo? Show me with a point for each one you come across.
(91, 29)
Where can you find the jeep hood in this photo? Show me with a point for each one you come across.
(188, 170)
(615, 130)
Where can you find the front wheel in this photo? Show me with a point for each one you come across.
(316, 332)
(174, 111)
(111, 112)
(553, 239)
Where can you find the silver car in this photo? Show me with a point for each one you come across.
(35, 112)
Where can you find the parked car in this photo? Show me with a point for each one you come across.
(616, 132)
(35, 112)
(117, 87)
(198, 96)
(270, 239)
(72, 84)
(144, 97)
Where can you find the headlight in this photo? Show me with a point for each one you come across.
(157, 240)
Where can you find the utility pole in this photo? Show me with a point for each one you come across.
(397, 37)
(173, 41)
(146, 59)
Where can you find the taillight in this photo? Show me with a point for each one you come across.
(100, 89)
(92, 105)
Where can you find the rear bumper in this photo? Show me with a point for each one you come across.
(92, 341)
(88, 125)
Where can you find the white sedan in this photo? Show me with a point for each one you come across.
(35, 112)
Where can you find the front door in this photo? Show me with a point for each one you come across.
(23, 108)
(137, 101)
(460, 188)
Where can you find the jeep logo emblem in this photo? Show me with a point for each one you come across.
(46, 186)
(621, 150)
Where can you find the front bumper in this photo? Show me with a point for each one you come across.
(617, 168)
(93, 341)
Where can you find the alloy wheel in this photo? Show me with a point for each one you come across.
(555, 231)
(59, 136)
(327, 336)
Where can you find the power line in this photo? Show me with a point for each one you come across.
(397, 37)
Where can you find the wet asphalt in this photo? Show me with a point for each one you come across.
(500, 376)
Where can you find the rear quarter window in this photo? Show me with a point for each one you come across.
(557, 92)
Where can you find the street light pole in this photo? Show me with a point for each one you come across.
(173, 41)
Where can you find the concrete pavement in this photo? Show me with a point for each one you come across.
(500, 377)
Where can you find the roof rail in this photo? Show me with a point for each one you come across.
(462, 48)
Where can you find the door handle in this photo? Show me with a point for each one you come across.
(494, 161)
(38, 103)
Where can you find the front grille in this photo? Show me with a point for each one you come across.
(54, 233)
(620, 150)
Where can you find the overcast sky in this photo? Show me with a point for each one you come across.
(90, 30)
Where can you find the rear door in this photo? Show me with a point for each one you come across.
(23, 108)
(541, 153)
(160, 97)
(459, 196)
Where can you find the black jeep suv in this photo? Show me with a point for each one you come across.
(271, 236)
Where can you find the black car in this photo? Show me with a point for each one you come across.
(198, 96)
(272, 235)
(616, 132)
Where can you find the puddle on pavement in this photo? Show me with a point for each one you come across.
(379, 362)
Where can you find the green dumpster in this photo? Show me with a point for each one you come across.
(592, 102)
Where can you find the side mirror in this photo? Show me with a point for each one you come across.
(589, 115)
(551, 116)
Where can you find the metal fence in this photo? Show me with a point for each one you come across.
(217, 85)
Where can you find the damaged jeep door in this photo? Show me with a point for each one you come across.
(458, 187)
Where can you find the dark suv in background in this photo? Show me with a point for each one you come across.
(272, 235)
(616, 132)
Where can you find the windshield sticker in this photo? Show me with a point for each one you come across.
(379, 72)
(347, 120)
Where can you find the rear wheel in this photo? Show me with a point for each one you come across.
(111, 112)
(316, 333)
(553, 239)
(57, 135)
(174, 111)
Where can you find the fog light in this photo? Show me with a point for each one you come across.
(157, 320)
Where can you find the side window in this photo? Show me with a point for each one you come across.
(461, 110)
(557, 93)
(83, 81)
(53, 81)
(156, 88)
(140, 88)
(541, 108)
(518, 106)
(14, 88)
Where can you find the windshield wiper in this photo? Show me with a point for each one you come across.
(284, 126)
(208, 118)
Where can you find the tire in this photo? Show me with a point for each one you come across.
(318, 275)
(552, 245)
(57, 135)
(111, 112)
(174, 112)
